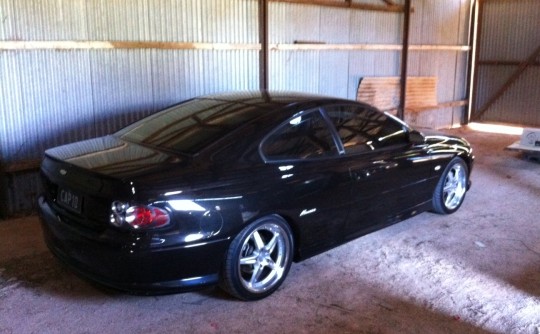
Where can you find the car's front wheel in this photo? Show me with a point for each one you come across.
(258, 259)
(451, 188)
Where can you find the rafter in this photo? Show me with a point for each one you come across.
(388, 6)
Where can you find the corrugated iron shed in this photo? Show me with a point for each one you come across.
(75, 69)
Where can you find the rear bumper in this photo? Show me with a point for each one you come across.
(124, 261)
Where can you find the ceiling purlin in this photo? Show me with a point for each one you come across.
(388, 6)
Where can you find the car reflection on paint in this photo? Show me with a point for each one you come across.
(230, 189)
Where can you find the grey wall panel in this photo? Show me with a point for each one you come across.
(460, 86)
(135, 20)
(510, 29)
(11, 108)
(523, 100)
(51, 98)
(7, 15)
(450, 68)
(490, 79)
(44, 19)
(293, 22)
(459, 114)
(335, 25)
(122, 92)
(326, 70)
(295, 71)
(330, 72)
(178, 75)
(332, 67)
(375, 27)
(219, 21)
(226, 70)
(439, 22)
(51, 102)
(509, 32)
(119, 20)
(519, 104)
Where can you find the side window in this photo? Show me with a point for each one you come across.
(364, 129)
(306, 136)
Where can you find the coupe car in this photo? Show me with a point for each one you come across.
(230, 189)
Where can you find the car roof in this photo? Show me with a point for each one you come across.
(195, 124)
(267, 98)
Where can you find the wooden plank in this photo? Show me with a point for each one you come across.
(457, 48)
(384, 92)
(300, 46)
(92, 45)
(388, 7)
(22, 166)
(449, 104)
(334, 47)
(505, 63)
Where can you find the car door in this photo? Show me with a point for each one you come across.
(385, 183)
(308, 184)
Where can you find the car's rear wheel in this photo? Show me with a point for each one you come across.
(451, 188)
(258, 259)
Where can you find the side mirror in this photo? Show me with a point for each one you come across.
(416, 137)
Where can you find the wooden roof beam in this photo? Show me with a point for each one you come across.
(388, 6)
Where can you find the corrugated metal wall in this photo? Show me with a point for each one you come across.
(434, 23)
(54, 96)
(510, 32)
(441, 23)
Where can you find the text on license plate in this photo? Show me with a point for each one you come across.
(70, 200)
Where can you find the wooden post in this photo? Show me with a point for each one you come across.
(466, 116)
(263, 40)
(404, 59)
(476, 51)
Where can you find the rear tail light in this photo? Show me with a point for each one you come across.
(138, 217)
(146, 216)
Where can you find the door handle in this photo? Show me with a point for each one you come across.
(376, 167)
(360, 175)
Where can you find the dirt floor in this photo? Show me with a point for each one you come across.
(476, 271)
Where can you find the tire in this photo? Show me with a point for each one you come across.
(258, 259)
(451, 188)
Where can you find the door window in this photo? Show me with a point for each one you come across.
(305, 136)
(363, 129)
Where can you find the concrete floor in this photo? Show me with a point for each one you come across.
(477, 271)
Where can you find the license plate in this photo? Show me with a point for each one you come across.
(70, 200)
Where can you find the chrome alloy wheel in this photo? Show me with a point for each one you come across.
(455, 186)
(264, 257)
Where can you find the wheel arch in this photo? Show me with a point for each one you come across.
(297, 241)
(295, 229)
(469, 161)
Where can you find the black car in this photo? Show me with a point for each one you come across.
(230, 189)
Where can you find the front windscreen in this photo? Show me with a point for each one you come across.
(191, 126)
